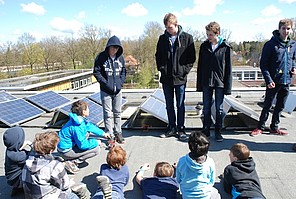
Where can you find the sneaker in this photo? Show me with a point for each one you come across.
(169, 133)
(71, 167)
(15, 191)
(119, 139)
(278, 132)
(81, 191)
(256, 132)
(182, 134)
(106, 186)
(218, 137)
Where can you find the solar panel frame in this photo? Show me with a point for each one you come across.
(15, 112)
(4, 96)
(48, 100)
(158, 94)
(155, 107)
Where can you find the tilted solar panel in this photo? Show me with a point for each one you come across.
(158, 94)
(4, 96)
(156, 108)
(17, 111)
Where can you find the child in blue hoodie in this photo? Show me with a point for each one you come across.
(75, 144)
(196, 171)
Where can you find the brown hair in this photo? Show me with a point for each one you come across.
(170, 18)
(240, 151)
(79, 106)
(116, 157)
(198, 144)
(286, 22)
(45, 143)
(163, 169)
(213, 26)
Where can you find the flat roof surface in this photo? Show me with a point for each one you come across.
(273, 155)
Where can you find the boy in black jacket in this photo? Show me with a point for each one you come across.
(240, 177)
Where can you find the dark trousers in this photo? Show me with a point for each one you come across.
(281, 93)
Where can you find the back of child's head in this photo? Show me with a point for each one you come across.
(285, 22)
(79, 106)
(198, 144)
(163, 169)
(45, 143)
(116, 157)
(240, 151)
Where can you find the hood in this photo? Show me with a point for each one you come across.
(14, 138)
(193, 165)
(114, 41)
(76, 119)
(180, 30)
(35, 161)
(247, 166)
(276, 35)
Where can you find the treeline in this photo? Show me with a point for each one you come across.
(54, 53)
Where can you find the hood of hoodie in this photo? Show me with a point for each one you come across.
(180, 30)
(35, 161)
(114, 41)
(247, 166)
(14, 138)
(193, 165)
(276, 35)
(75, 119)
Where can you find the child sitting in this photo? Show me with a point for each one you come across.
(162, 184)
(196, 171)
(240, 177)
(45, 177)
(15, 157)
(75, 143)
(113, 176)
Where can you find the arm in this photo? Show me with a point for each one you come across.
(140, 173)
(199, 69)
(264, 63)
(226, 180)
(59, 177)
(158, 54)
(97, 72)
(123, 71)
(228, 72)
(191, 55)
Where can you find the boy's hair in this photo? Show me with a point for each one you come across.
(286, 22)
(198, 144)
(163, 169)
(45, 143)
(79, 106)
(170, 18)
(240, 151)
(116, 157)
(213, 26)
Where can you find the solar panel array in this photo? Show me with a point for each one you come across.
(4, 96)
(48, 100)
(15, 112)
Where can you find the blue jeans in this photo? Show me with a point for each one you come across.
(281, 92)
(207, 98)
(169, 92)
(112, 112)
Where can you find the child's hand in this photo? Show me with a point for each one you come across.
(145, 167)
(26, 143)
(107, 135)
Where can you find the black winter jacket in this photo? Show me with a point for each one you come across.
(241, 178)
(174, 68)
(110, 74)
(214, 67)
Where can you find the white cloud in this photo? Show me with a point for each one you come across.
(33, 8)
(287, 1)
(270, 10)
(65, 26)
(2, 2)
(202, 7)
(81, 15)
(135, 10)
(227, 12)
(264, 20)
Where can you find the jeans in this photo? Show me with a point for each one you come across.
(281, 92)
(112, 111)
(207, 97)
(179, 91)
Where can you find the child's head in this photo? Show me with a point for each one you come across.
(80, 107)
(213, 27)
(239, 151)
(198, 144)
(163, 169)
(116, 157)
(170, 18)
(45, 143)
(285, 22)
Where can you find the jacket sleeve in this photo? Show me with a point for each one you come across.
(94, 129)
(59, 177)
(264, 63)
(191, 55)
(81, 139)
(228, 72)
(199, 70)
(227, 185)
(97, 72)
(158, 54)
(123, 71)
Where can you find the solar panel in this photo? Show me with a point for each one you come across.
(17, 111)
(96, 97)
(4, 96)
(155, 107)
(48, 100)
(158, 94)
(95, 111)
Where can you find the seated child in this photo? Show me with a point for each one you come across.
(240, 177)
(15, 157)
(113, 176)
(75, 143)
(161, 185)
(196, 171)
(45, 177)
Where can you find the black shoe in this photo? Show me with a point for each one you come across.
(119, 139)
(207, 132)
(169, 133)
(181, 133)
(218, 135)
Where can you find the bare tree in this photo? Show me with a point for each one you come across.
(72, 50)
(50, 51)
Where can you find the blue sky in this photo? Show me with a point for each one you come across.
(246, 19)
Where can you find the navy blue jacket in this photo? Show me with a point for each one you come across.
(277, 60)
(110, 74)
(174, 67)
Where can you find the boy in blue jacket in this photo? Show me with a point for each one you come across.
(75, 144)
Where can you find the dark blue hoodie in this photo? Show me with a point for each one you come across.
(110, 74)
(15, 158)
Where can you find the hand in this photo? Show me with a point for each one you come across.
(107, 135)
(26, 143)
(271, 85)
(145, 167)
(293, 71)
